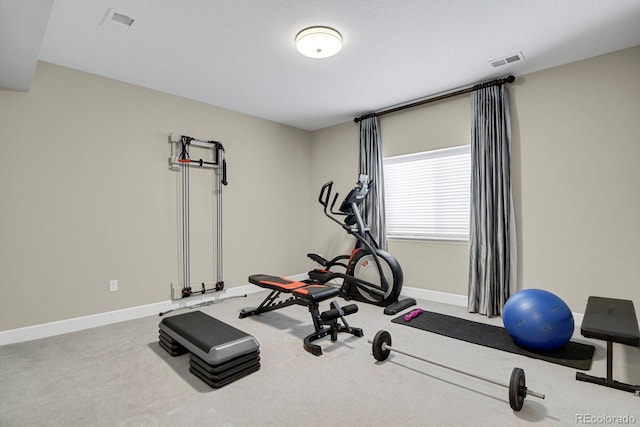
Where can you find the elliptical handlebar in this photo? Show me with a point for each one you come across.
(355, 197)
(355, 226)
(325, 193)
(335, 199)
(349, 208)
(323, 199)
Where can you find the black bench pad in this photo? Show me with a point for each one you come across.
(276, 283)
(610, 319)
(311, 292)
(316, 293)
(308, 293)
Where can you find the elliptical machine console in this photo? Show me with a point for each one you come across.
(370, 274)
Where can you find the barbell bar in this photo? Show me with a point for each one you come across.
(518, 391)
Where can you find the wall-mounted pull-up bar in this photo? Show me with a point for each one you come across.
(180, 160)
(497, 82)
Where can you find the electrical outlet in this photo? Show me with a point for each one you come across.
(176, 290)
(113, 285)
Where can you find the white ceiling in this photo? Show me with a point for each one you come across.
(240, 54)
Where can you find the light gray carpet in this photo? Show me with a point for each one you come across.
(118, 375)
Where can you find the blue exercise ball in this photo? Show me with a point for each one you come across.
(538, 320)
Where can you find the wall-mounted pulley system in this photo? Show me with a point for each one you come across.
(182, 161)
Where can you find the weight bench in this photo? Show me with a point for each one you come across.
(218, 353)
(308, 294)
(611, 320)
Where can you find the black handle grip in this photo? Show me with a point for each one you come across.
(335, 199)
(325, 193)
(224, 172)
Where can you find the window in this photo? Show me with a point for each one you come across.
(427, 194)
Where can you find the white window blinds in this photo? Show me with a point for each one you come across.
(427, 194)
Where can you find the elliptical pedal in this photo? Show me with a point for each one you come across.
(399, 305)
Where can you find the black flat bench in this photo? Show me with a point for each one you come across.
(308, 294)
(611, 320)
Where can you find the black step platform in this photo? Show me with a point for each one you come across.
(219, 375)
(172, 346)
(218, 352)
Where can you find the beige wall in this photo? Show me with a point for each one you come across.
(334, 153)
(86, 196)
(575, 153)
(438, 265)
(576, 174)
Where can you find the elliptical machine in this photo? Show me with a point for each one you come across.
(371, 275)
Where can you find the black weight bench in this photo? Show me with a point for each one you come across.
(308, 294)
(218, 353)
(611, 320)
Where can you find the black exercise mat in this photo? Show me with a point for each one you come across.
(573, 355)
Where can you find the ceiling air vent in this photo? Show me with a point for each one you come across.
(518, 56)
(119, 21)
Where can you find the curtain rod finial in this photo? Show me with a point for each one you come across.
(511, 78)
(366, 116)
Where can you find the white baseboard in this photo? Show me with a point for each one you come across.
(456, 299)
(45, 330)
(435, 296)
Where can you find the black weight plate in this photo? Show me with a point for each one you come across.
(517, 389)
(376, 345)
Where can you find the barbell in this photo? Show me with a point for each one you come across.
(518, 391)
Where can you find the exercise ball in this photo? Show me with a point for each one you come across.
(538, 320)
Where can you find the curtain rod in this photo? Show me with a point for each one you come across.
(496, 82)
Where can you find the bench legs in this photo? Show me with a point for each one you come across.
(325, 323)
(270, 303)
(333, 327)
(609, 381)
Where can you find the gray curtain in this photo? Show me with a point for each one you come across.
(492, 233)
(371, 165)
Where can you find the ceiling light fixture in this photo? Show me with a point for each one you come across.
(318, 42)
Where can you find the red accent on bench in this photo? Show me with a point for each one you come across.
(274, 282)
(308, 294)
